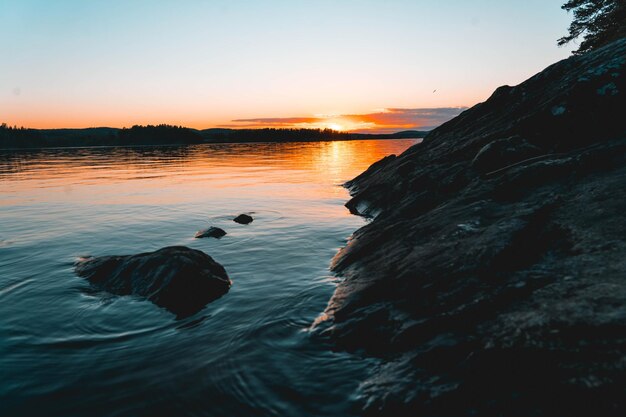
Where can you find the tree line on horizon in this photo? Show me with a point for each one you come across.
(164, 134)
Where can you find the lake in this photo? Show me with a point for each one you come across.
(69, 350)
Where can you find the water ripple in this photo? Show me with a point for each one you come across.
(71, 350)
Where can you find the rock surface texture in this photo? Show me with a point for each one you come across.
(492, 279)
(212, 231)
(178, 278)
(243, 219)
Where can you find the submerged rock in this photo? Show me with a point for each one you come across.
(215, 232)
(492, 280)
(243, 219)
(178, 278)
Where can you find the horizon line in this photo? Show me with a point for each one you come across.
(218, 127)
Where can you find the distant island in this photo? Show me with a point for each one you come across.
(163, 134)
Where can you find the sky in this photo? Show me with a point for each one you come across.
(373, 66)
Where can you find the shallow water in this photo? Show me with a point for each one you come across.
(67, 350)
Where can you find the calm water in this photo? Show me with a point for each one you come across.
(66, 350)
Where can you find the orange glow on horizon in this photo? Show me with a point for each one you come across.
(335, 126)
(380, 120)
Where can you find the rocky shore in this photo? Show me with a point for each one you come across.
(492, 277)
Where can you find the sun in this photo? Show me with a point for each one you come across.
(335, 126)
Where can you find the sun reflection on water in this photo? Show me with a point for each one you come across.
(246, 351)
(167, 175)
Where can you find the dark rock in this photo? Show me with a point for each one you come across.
(501, 153)
(243, 219)
(178, 278)
(215, 232)
(492, 280)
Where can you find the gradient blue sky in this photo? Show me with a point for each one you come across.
(208, 63)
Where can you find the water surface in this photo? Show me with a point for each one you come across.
(67, 350)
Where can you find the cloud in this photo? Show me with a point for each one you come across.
(407, 119)
(383, 121)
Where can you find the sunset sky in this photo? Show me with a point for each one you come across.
(351, 65)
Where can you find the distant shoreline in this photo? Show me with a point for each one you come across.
(160, 145)
(15, 139)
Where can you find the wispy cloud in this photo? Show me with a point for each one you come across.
(383, 121)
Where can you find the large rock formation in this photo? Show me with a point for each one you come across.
(492, 279)
(178, 278)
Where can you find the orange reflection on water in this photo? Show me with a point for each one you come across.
(188, 174)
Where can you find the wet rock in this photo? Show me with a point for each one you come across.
(215, 232)
(491, 280)
(243, 219)
(177, 278)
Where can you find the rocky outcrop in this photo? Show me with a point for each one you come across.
(243, 219)
(212, 231)
(178, 278)
(492, 279)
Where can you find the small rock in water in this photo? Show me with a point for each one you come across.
(215, 232)
(243, 219)
(177, 278)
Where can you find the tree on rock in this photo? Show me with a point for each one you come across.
(599, 22)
